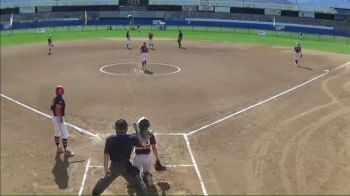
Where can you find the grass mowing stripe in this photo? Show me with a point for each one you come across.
(323, 42)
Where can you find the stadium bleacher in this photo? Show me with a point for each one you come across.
(301, 5)
(35, 3)
(328, 13)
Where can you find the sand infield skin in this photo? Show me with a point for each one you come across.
(230, 118)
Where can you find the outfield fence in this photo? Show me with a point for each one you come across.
(308, 32)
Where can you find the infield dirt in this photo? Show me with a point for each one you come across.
(296, 144)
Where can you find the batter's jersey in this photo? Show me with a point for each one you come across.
(49, 41)
(127, 36)
(144, 147)
(297, 49)
(150, 35)
(58, 100)
(119, 146)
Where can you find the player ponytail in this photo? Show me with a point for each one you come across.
(144, 124)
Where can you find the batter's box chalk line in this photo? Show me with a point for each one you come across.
(87, 166)
(169, 166)
(156, 134)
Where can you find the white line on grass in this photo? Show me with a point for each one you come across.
(258, 104)
(76, 128)
(195, 166)
(87, 166)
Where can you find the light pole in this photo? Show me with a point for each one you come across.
(189, 16)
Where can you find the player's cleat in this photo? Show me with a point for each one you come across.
(68, 153)
(60, 150)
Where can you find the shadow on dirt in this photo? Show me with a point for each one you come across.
(153, 190)
(60, 171)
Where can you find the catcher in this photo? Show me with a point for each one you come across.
(142, 158)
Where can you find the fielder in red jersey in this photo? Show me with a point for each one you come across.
(297, 54)
(148, 143)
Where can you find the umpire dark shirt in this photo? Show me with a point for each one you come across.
(119, 146)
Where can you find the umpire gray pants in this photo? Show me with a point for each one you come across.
(129, 172)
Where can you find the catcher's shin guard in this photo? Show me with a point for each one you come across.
(147, 179)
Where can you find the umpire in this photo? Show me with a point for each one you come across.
(118, 149)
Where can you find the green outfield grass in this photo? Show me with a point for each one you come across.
(317, 42)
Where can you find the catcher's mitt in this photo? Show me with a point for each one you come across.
(159, 167)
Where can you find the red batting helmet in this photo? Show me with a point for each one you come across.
(59, 90)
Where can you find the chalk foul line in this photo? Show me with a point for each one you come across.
(87, 166)
(239, 112)
(341, 66)
(204, 190)
(258, 104)
(76, 128)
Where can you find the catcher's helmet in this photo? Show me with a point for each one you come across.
(143, 123)
(59, 90)
(121, 125)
